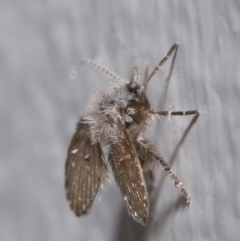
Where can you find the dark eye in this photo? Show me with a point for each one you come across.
(132, 89)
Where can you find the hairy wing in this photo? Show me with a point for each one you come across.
(129, 177)
(85, 170)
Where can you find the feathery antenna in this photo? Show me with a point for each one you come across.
(101, 68)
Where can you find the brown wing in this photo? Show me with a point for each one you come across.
(129, 177)
(85, 170)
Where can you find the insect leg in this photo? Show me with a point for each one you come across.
(172, 49)
(148, 147)
(169, 113)
(165, 113)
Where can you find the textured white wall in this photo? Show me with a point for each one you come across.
(39, 106)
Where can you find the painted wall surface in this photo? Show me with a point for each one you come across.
(40, 41)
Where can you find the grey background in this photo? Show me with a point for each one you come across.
(40, 41)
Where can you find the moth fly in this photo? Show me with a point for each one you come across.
(116, 119)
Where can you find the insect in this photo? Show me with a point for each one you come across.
(116, 120)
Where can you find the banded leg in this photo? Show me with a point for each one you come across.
(161, 63)
(148, 147)
(165, 113)
(169, 113)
